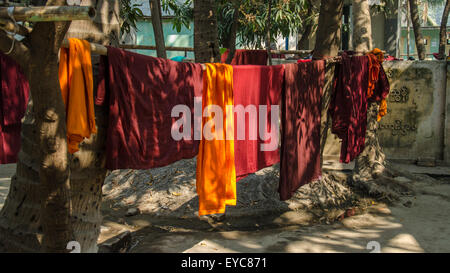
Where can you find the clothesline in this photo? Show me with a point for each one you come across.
(103, 50)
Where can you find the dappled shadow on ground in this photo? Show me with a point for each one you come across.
(170, 192)
(414, 224)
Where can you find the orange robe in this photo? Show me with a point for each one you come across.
(216, 173)
(375, 60)
(77, 89)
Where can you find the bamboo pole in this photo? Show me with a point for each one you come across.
(95, 48)
(146, 47)
(48, 13)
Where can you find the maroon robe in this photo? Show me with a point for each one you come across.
(300, 116)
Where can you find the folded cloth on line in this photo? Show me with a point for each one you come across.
(141, 92)
(14, 98)
(257, 89)
(247, 57)
(77, 89)
(216, 174)
(300, 117)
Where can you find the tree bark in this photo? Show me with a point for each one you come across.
(206, 47)
(362, 28)
(50, 119)
(233, 32)
(44, 189)
(87, 166)
(443, 31)
(20, 217)
(415, 18)
(329, 29)
(155, 6)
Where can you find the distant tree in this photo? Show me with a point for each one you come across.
(155, 7)
(415, 19)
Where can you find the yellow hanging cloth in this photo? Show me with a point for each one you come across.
(77, 89)
(376, 58)
(216, 173)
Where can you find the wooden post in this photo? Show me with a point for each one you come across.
(95, 48)
(48, 13)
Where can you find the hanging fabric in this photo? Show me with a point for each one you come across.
(216, 174)
(256, 89)
(377, 78)
(348, 107)
(300, 117)
(13, 98)
(77, 89)
(141, 92)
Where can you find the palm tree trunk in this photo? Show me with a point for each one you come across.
(206, 47)
(443, 30)
(155, 6)
(415, 18)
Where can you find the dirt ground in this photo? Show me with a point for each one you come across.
(260, 223)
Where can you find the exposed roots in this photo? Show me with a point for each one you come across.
(372, 174)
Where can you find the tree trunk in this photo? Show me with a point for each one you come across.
(370, 173)
(155, 6)
(44, 189)
(50, 119)
(371, 160)
(86, 166)
(233, 32)
(268, 34)
(415, 18)
(206, 47)
(443, 31)
(327, 45)
(362, 28)
(329, 29)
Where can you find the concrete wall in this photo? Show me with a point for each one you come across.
(413, 129)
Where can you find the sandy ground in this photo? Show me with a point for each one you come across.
(420, 225)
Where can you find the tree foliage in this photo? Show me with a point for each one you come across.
(288, 17)
(130, 13)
